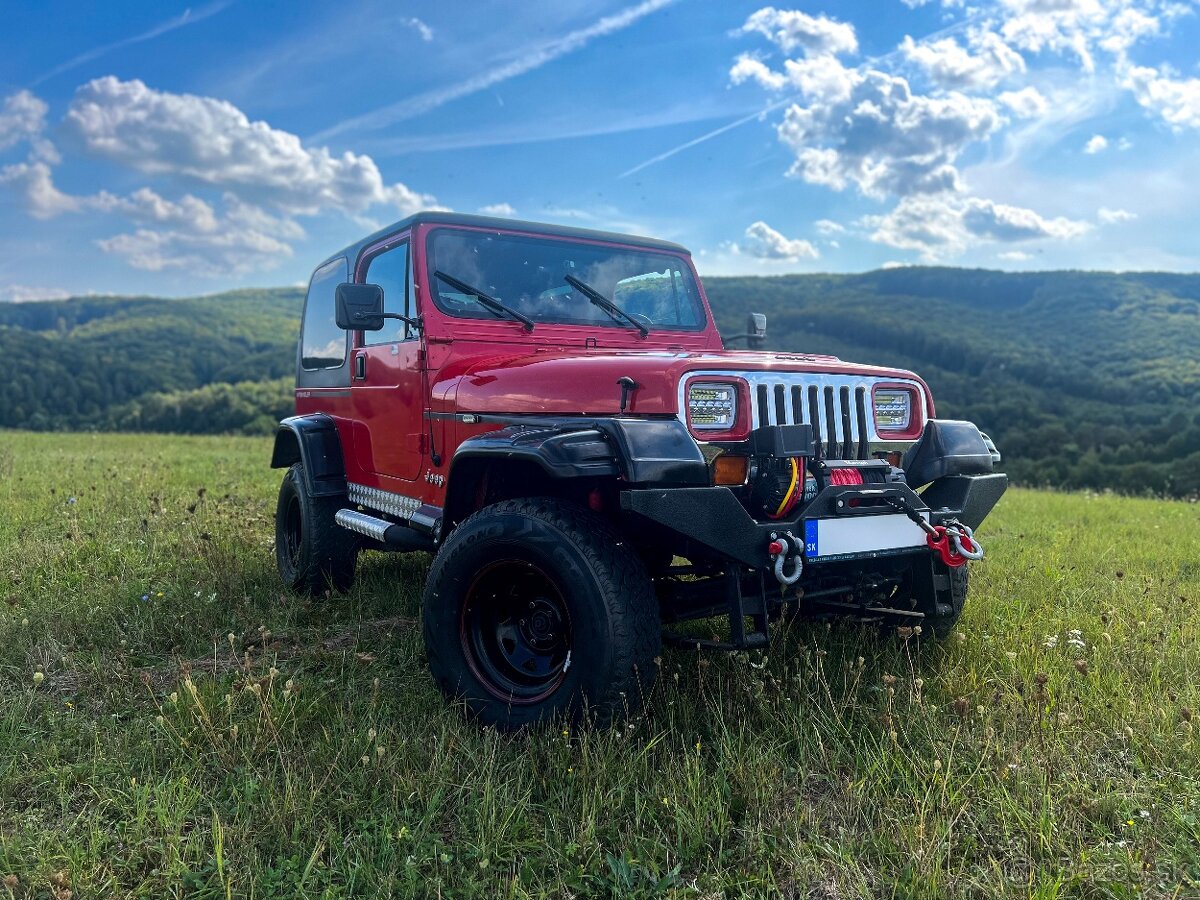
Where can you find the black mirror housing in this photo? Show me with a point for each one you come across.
(359, 307)
(756, 330)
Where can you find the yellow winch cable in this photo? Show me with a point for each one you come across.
(790, 491)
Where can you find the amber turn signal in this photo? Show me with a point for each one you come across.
(731, 470)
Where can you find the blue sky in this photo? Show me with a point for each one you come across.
(172, 149)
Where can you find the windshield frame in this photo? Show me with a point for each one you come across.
(682, 261)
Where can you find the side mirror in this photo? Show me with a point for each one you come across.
(756, 330)
(359, 307)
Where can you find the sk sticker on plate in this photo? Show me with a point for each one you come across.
(810, 538)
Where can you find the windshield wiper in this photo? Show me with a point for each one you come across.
(485, 300)
(604, 303)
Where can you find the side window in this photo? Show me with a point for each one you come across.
(322, 343)
(389, 270)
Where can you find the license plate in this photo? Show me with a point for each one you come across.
(826, 539)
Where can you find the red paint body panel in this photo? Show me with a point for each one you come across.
(484, 366)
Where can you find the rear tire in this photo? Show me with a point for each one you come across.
(314, 554)
(537, 608)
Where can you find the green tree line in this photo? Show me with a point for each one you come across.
(1084, 379)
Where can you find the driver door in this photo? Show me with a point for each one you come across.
(386, 380)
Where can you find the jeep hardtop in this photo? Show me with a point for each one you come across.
(552, 413)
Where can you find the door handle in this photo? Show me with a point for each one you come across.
(360, 366)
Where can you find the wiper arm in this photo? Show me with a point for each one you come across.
(598, 299)
(485, 300)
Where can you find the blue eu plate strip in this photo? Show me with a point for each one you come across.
(810, 538)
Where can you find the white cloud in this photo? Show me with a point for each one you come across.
(1002, 222)
(266, 177)
(751, 68)
(1057, 26)
(147, 206)
(23, 293)
(420, 28)
(883, 138)
(792, 29)
(1176, 100)
(1097, 143)
(226, 252)
(1127, 28)
(951, 65)
(1027, 103)
(767, 243)
(22, 117)
(1014, 256)
(944, 225)
(828, 226)
(190, 236)
(34, 181)
(868, 129)
(504, 210)
(213, 142)
(1106, 216)
(187, 234)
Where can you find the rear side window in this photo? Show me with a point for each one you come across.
(389, 270)
(322, 343)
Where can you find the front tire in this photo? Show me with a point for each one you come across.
(314, 554)
(948, 608)
(537, 608)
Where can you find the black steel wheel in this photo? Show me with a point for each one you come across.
(516, 631)
(538, 608)
(313, 553)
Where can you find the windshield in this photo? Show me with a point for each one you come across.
(529, 275)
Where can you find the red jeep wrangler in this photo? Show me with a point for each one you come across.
(552, 413)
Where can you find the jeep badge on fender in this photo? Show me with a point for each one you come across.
(552, 414)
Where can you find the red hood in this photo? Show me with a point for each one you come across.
(563, 383)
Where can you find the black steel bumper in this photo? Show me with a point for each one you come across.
(714, 518)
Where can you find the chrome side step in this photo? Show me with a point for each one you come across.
(398, 537)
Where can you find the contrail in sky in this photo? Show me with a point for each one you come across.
(532, 58)
(187, 17)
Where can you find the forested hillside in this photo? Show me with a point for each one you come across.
(1084, 379)
(91, 362)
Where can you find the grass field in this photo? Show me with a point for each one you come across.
(172, 724)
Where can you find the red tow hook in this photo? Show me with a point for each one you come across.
(939, 543)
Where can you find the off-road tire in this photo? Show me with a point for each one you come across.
(612, 613)
(320, 555)
(946, 615)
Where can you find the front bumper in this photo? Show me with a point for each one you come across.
(714, 518)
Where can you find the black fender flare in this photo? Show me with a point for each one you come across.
(313, 441)
(648, 451)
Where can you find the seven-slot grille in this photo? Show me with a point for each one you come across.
(838, 414)
(839, 407)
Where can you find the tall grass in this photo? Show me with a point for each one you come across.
(173, 724)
